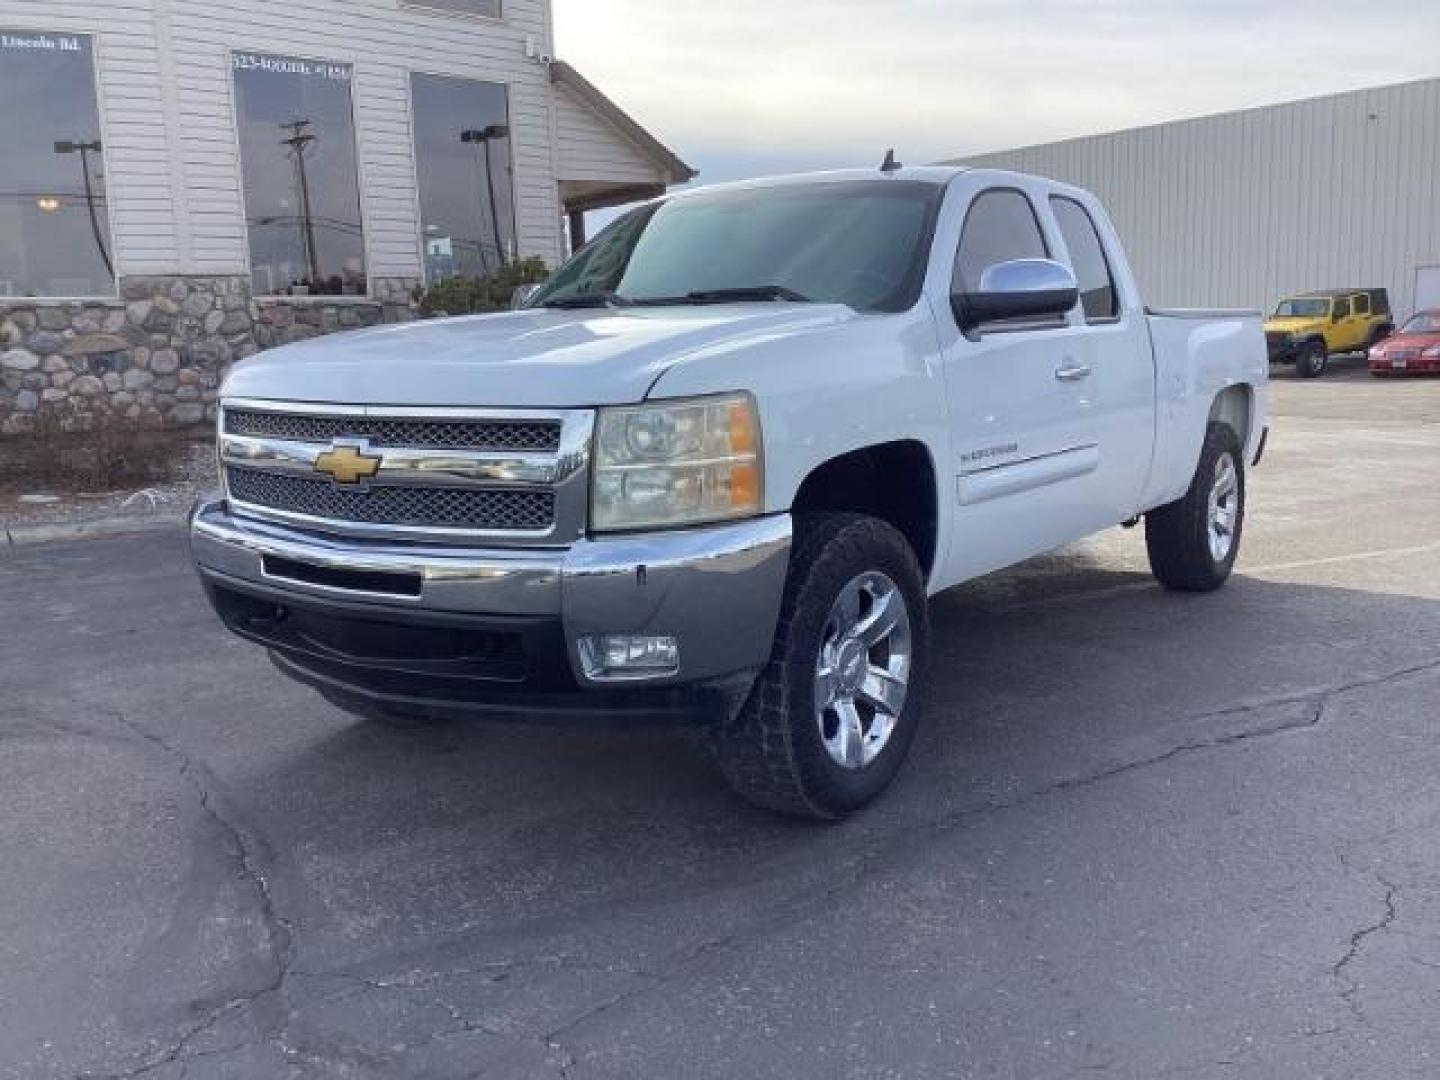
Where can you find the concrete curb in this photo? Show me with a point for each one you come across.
(15, 536)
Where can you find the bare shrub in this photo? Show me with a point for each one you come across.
(74, 450)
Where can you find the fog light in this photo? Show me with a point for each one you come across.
(628, 656)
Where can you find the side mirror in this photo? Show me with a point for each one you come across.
(522, 295)
(1018, 289)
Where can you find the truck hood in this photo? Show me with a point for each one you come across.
(527, 359)
(1293, 326)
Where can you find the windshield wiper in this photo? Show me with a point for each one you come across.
(607, 298)
(747, 292)
(600, 299)
(725, 296)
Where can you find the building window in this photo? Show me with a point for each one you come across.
(463, 164)
(54, 221)
(1098, 298)
(302, 190)
(488, 8)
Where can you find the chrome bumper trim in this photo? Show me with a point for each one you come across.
(452, 579)
(716, 588)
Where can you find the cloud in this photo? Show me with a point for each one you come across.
(813, 83)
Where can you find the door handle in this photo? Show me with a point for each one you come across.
(1070, 371)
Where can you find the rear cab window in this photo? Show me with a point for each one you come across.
(1089, 261)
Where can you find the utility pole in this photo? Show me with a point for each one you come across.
(85, 149)
(300, 141)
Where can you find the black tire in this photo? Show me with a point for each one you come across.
(773, 751)
(1312, 360)
(1177, 535)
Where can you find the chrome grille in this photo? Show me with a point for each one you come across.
(524, 436)
(487, 509)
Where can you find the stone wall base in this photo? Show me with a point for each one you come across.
(158, 352)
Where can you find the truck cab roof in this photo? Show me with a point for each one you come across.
(938, 175)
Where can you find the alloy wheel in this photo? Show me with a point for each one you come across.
(862, 675)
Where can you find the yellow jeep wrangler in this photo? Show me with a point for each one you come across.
(1307, 330)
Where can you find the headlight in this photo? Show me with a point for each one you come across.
(680, 462)
(1432, 352)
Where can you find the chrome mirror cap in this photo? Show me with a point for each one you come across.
(1019, 288)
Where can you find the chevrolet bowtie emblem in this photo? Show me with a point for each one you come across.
(347, 464)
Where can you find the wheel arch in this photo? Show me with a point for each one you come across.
(1234, 406)
(893, 481)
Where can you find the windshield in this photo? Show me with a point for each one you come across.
(861, 243)
(1427, 322)
(1303, 309)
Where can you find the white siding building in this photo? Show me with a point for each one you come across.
(1242, 208)
(196, 180)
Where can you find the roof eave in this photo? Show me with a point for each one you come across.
(562, 74)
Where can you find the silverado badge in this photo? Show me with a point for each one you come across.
(347, 464)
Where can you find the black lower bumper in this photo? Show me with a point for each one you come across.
(433, 664)
(1282, 352)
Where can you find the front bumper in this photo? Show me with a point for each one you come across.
(441, 629)
(1415, 364)
(1281, 350)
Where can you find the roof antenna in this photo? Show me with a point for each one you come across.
(891, 165)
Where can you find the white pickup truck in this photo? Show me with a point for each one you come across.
(715, 467)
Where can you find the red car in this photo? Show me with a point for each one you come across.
(1414, 349)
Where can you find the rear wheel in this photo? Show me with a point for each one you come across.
(1312, 360)
(1193, 542)
(831, 718)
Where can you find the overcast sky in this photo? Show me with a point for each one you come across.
(751, 87)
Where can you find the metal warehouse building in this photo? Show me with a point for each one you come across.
(1241, 208)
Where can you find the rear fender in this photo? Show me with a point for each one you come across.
(1207, 369)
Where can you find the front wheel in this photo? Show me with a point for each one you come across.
(1311, 360)
(1193, 542)
(831, 718)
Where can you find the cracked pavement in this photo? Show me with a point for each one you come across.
(1140, 836)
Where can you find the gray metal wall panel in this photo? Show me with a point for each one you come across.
(1241, 208)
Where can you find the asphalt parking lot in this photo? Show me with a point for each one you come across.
(1141, 835)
